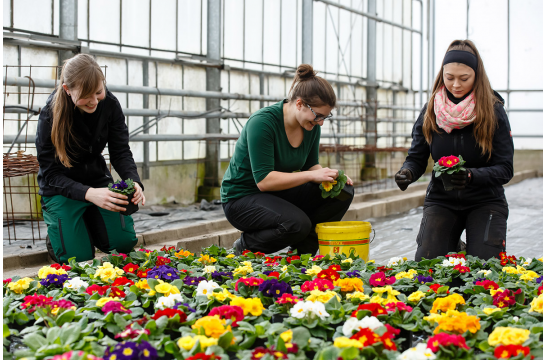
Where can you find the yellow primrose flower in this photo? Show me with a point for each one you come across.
(432, 318)
(447, 303)
(183, 253)
(508, 336)
(20, 285)
(142, 284)
(108, 272)
(416, 296)
(284, 268)
(48, 270)
(510, 270)
(187, 342)
(357, 295)
(370, 261)
(322, 296)
(344, 342)
(213, 326)
(349, 284)
(251, 306)
(541, 259)
(206, 259)
(529, 275)
(102, 301)
(287, 336)
(230, 256)
(406, 274)
(314, 270)
(221, 296)
(349, 260)
(244, 270)
(493, 292)
(489, 310)
(537, 304)
(328, 185)
(166, 289)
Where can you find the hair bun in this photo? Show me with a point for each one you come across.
(305, 72)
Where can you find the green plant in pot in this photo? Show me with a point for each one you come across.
(446, 166)
(125, 188)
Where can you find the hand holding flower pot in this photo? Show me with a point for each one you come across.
(446, 166)
(128, 189)
(335, 189)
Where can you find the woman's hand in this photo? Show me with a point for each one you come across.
(349, 181)
(106, 199)
(324, 174)
(138, 195)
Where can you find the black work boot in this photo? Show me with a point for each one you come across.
(239, 246)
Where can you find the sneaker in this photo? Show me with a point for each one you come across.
(237, 247)
(50, 253)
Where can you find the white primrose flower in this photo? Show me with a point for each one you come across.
(395, 261)
(454, 262)
(318, 309)
(527, 262)
(75, 284)
(209, 269)
(206, 287)
(419, 352)
(353, 324)
(164, 302)
(300, 309)
(484, 272)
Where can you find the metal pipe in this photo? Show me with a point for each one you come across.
(421, 93)
(68, 24)
(8, 139)
(368, 15)
(307, 32)
(50, 84)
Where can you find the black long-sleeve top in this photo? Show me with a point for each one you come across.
(488, 175)
(106, 125)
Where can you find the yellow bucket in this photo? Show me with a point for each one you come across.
(344, 237)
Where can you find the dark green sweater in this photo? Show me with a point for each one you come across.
(262, 147)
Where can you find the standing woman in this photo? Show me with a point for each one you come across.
(464, 116)
(79, 118)
(271, 189)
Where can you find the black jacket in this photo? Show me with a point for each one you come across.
(93, 131)
(488, 176)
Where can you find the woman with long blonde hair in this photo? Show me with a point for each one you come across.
(79, 118)
(464, 116)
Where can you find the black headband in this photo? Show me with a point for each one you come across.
(463, 57)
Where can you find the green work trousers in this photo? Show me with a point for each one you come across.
(75, 228)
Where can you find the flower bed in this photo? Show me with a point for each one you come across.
(177, 305)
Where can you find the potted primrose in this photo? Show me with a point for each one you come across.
(336, 188)
(125, 188)
(445, 167)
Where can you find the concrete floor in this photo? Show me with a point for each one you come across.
(396, 234)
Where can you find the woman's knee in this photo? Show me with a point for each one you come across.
(296, 227)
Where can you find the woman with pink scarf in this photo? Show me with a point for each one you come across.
(463, 117)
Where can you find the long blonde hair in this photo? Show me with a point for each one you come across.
(81, 73)
(485, 122)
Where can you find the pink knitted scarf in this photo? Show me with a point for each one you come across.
(453, 116)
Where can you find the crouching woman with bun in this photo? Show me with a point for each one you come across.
(270, 190)
(79, 118)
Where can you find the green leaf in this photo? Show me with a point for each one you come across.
(34, 341)
(6, 330)
(225, 339)
(66, 317)
(349, 353)
(300, 336)
(70, 335)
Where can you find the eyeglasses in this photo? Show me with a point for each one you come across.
(320, 118)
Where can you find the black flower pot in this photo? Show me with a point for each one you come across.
(279, 318)
(447, 181)
(347, 192)
(131, 208)
(408, 342)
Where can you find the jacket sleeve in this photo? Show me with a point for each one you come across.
(118, 145)
(419, 153)
(52, 169)
(499, 170)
